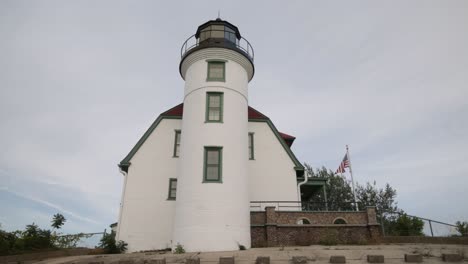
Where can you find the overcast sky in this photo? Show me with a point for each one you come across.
(81, 81)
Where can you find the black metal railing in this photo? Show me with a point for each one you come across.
(217, 38)
(303, 206)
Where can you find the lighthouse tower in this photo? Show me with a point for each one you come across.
(212, 206)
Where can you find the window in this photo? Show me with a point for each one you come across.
(172, 189)
(303, 221)
(216, 71)
(177, 143)
(213, 164)
(251, 146)
(214, 107)
(339, 221)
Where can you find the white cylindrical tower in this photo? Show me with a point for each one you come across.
(212, 206)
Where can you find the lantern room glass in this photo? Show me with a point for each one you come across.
(218, 32)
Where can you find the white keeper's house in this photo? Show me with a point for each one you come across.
(192, 176)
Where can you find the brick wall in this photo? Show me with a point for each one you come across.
(280, 228)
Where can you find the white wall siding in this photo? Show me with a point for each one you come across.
(147, 216)
(271, 175)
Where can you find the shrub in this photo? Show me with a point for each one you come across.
(111, 246)
(242, 247)
(462, 228)
(179, 249)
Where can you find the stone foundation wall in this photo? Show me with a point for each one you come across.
(272, 228)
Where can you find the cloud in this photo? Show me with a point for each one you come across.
(51, 205)
(81, 84)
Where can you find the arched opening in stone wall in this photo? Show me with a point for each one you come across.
(339, 221)
(303, 221)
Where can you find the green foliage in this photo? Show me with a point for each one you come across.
(462, 228)
(33, 238)
(339, 192)
(69, 241)
(403, 225)
(58, 221)
(179, 249)
(340, 198)
(110, 245)
(30, 239)
(242, 247)
(383, 199)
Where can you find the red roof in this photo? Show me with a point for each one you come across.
(288, 138)
(178, 110)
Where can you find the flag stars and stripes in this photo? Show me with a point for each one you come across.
(344, 164)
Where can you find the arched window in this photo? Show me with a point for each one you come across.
(303, 221)
(339, 221)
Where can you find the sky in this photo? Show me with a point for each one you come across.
(81, 81)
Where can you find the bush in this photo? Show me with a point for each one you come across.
(111, 246)
(403, 225)
(462, 228)
(179, 249)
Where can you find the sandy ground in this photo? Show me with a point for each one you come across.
(393, 253)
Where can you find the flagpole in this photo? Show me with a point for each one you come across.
(352, 179)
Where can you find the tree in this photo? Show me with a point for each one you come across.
(340, 197)
(339, 192)
(58, 221)
(383, 199)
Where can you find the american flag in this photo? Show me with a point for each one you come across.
(344, 164)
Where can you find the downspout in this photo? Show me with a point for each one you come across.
(306, 178)
(121, 203)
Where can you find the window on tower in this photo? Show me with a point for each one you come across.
(177, 144)
(216, 71)
(172, 189)
(213, 164)
(214, 107)
(251, 146)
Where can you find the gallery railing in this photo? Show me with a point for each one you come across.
(302, 206)
(217, 38)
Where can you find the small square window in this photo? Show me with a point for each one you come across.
(172, 189)
(213, 164)
(214, 107)
(216, 71)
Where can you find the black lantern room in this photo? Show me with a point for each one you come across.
(217, 33)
